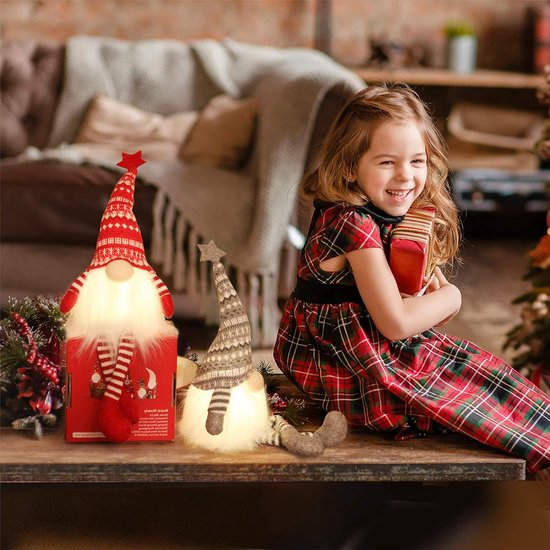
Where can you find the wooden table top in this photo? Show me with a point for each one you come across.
(362, 457)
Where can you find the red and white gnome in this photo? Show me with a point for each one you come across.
(119, 306)
(225, 407)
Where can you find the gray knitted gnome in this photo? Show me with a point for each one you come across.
(225, 408)
(228, 361)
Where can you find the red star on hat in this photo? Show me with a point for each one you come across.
(131, 161)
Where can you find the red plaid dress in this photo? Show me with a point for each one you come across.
(336, 355)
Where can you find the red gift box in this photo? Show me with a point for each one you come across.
(409, 256)
(153, 379)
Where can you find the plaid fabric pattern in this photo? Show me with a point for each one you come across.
(336, 231)
(336, 355)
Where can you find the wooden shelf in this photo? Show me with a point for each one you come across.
(440, 77)
(362, 457)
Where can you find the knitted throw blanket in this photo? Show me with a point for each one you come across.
(246, 212)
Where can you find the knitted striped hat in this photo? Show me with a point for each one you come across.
(119, 234)
(120, 237)
(228, 361)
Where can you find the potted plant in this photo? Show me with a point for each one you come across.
(461, 47)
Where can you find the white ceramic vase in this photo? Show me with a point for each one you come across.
(462, 53)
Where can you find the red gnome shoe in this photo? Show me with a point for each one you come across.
(114, 424)
(117, 410)
(129, 407)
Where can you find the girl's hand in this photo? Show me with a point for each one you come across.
(432, 283)
(395, 316)
(437, 281)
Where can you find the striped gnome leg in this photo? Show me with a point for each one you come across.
(117, 410)
(216, 410)
(107, 363)
(106, 360)
(282, 434)
(331, 433)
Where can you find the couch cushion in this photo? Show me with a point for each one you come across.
(223, 134)
(30, 77)
(111, 126)
(51, 202)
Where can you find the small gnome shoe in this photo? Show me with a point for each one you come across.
(304, 444)
(214, 423)
(334, 429)
(129, 407)
(112, 421)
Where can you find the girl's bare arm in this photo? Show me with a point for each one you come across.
(397, 317)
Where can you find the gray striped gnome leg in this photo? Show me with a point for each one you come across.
(117, 409)
(282, 434)
(216, 410)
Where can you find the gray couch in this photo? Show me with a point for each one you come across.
(51, 205)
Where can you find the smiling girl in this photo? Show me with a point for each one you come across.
(349, 339)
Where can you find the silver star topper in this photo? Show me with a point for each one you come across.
(210, 252)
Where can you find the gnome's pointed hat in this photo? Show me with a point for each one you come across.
(119, 234)
(120, 237)
(228, 361)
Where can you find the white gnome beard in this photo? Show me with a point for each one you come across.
(109, 309)
(246, 421)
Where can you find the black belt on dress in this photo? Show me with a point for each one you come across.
(321, 293)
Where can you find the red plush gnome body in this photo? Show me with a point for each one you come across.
(117, 304)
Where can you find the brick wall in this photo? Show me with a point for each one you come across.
(501, 24)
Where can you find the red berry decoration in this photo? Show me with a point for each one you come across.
(39, 379)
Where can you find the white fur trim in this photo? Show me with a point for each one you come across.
(112, 310)
(246, 421)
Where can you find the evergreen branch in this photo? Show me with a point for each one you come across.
(271, 380)
(294, 412)
(13, 353)
(531, 296)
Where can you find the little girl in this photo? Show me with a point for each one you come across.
(349, 339)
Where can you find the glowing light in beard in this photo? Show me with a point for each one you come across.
(246, 421)
(113, 309)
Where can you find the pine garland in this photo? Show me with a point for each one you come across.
(31, 385)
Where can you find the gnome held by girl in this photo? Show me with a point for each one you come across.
(120, 307)
(225, 408)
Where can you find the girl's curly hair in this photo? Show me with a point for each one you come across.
(349, 138)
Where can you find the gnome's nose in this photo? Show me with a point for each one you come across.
(119, 271)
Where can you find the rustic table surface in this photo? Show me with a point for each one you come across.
(362, 457)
